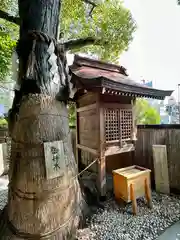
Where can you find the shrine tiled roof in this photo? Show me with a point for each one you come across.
(111, 78)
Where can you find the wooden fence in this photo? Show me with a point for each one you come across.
(4, 163)
(168, 135)
(148, 135)
(3, 134)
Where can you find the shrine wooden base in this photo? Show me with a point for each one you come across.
(133, 197)
(132, 183)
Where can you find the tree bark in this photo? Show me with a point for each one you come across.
(9, 18)
(82, 42)
(39, 207)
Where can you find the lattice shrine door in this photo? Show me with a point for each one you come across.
(118, 125)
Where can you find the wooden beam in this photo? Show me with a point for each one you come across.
(117, 150)
(87, 108)
(117, 105)
(81, 98)
(103, 90)
(133, 199)
(134, 127)
(102, 176)
(77, 140)
(102, 160)
(148, 192)
(87, 149)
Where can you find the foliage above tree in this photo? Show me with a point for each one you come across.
(103, 29)
(110, 24)
(6, 47)
(8, 37)
(145, 113)
(3, 122)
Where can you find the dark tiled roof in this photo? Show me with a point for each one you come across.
(112, 78)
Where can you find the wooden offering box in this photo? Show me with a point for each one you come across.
(131, 183)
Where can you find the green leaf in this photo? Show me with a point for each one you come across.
(6, 47)
(145, 113)
(8, 37)
(3, 122)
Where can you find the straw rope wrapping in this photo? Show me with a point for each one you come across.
(61, 80)
(57, 54)
(41, 119)
(27, 196)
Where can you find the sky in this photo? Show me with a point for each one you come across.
(154, 54)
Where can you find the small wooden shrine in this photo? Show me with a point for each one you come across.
(105, 99)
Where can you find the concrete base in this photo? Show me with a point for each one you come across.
(172, 233)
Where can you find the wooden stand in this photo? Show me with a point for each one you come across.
(133, 199)
(131, 183)
(147, 195)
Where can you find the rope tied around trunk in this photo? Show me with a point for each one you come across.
(38, 36)
(33, 196)
(30, 40)
(59, 73)
(65, 228)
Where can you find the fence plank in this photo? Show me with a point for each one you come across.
(173, 149)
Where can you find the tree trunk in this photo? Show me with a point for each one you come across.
(39, 206)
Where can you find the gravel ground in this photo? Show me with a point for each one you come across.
(3, 191)
(116, 222)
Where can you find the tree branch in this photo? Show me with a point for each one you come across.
(69, 45)
(16, 20)
(9, 18)
(90, 2)
(78, 43)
